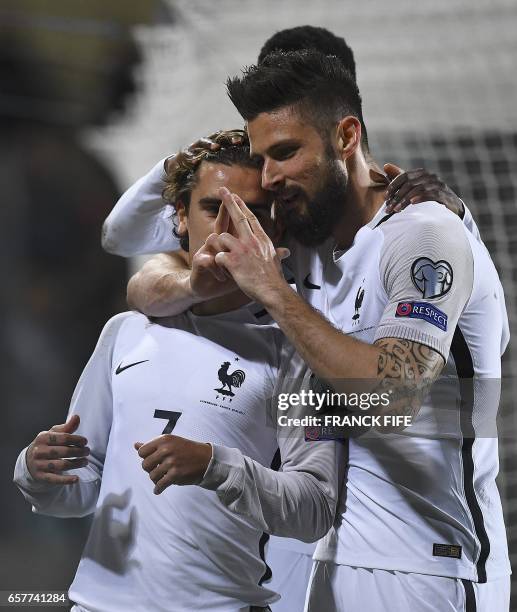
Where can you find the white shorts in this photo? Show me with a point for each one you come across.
(341, 588)
(291, 572)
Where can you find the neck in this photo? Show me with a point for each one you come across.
(363, 199)
(225, 303)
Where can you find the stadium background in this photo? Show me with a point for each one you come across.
(439, 91)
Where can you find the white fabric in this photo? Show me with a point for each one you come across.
(340, 588)
(291, 571)
(181, 550)
(141, 222)
(406, 492)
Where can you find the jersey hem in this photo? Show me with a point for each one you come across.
(410, 568)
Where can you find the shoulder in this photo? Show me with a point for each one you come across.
(423, 218)
(113, 327)
(424, 227)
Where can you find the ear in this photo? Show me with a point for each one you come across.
(348, 136)
(182, 215)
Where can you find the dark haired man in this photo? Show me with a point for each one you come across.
(183, 549)
(140, 223)
(420, 524)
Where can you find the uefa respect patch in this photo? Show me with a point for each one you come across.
(424, 311)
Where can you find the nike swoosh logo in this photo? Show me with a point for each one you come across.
(307, 283)
(121, 369)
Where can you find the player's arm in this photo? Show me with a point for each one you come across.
(162, 286)
(141, 221)
(299, 501)
(332, 355)
(60, 472)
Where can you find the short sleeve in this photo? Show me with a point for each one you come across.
(426, 268)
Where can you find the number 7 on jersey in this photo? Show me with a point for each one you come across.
(172, 419)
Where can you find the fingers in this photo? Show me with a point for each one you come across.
(403, 178)
(164, 482)
(283, 253)
(155, 459)
(392, 170)
(222, 220)
(58, 452)
(237, 215)
(54, 438)
(149, 447)
(204, 261)
(70, 426)
(57, 479)
(59, 465)
(401, 193)
(204, 143)
(377, 178)
(413, 196)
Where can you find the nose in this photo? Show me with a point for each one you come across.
(272, 178)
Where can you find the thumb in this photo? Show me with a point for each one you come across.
(70, 426)
(283, 253)
(392, 170)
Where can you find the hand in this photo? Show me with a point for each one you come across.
(249, 255)
(207, 279)
(210, 143)
(171, 459)
(56, 451)
(415, 186)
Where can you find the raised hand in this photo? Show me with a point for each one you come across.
(57, 450)
(249, 255)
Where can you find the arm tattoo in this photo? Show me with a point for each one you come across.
(406, 369)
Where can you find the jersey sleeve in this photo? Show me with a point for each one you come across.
(426, 269)
(93, 402)
(141, 222)
(298, 501)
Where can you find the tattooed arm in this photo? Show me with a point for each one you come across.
(406, 370)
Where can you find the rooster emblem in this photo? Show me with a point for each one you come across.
(358, 303)
(235, 379)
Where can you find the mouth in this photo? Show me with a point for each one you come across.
(287, 201)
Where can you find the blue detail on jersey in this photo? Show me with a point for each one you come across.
(422, 310)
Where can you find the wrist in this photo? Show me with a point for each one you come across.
(275, 296)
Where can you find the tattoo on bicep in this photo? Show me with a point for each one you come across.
(406, 370)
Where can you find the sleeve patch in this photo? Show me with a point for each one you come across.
(422, 310)
(432, 278)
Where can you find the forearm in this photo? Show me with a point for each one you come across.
(63, 501)
(298, 503)
(402, 368)
(328, 352)
(162, 287)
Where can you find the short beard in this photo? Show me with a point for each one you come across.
(324, 211)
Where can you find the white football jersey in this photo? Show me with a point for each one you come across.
(206, 378)
(425, 499)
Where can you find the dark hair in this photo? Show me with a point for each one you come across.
(317, 85)
(316, 39)
(234, 149)
(310, 37)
